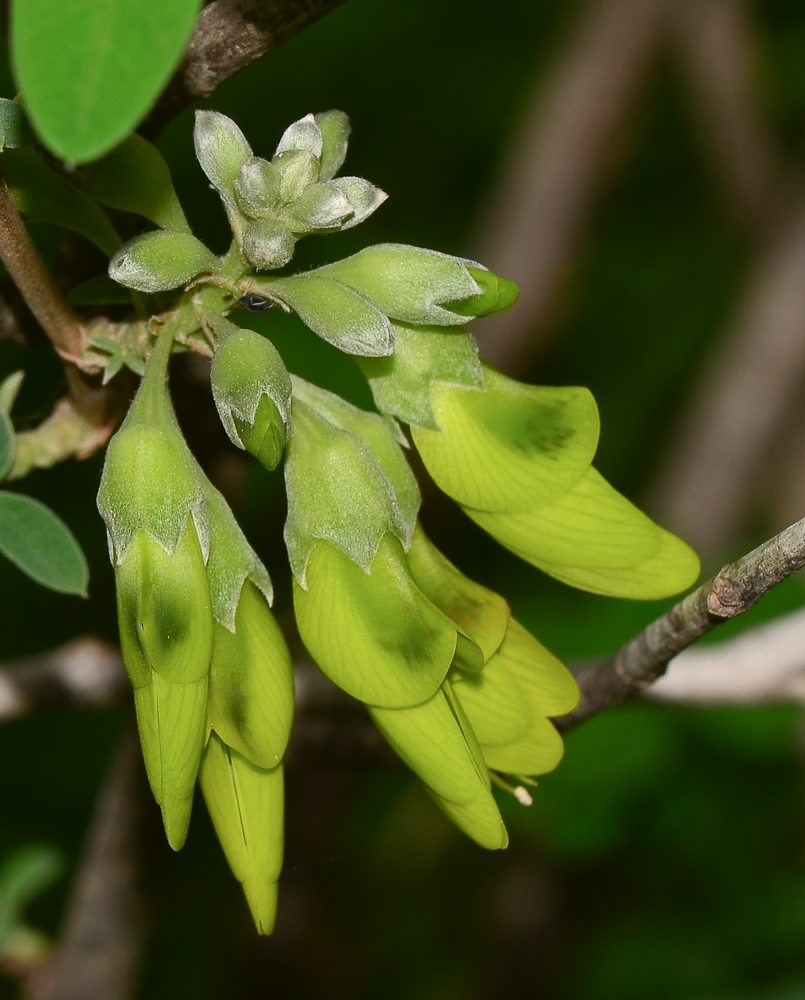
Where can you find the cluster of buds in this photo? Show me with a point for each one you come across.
(460, 690)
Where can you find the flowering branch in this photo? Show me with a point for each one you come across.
(734, 590)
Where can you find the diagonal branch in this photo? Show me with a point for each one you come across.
(230, 35)
(734, 590)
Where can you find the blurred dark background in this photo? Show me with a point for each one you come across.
(639, 167)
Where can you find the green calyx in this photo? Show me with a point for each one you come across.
(347, 481)
(252, 391)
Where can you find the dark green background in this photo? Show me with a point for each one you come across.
(666, 856)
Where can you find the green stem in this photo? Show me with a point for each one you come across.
(152, 405)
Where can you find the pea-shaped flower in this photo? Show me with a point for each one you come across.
(517, 458)
(152, 499)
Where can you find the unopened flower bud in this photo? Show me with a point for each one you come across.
(407, 283)
(252, 391)
(257, 188)
(498, 295)
(268, 244)
(298, 168)
(161, 260)
(303, 134)
(335, 129)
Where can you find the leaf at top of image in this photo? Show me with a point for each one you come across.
(41, 545)
(90, 70)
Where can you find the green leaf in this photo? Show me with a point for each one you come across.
(162, 260)
(24, 875)
(375, 635)
(41, 195)
(590, 525)
(246, 807)
(514, 447)
(134, 177)
(41, 544)
(9, 388)
(89, 70)
(15, 129)
(337, 313)
(251, 683)
(6, 444)
(671, 569)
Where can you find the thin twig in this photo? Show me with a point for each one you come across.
(230, 35)
(763, 665)
(83, 673)
(735, 589)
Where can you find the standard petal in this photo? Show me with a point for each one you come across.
(513, 447)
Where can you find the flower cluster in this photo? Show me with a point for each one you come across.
(460, 690)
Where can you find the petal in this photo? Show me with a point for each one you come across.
(591, 525)
(483, 614)
(673, 568)
(246, 806)
(514, 447)
(375, 635)
(172, 720)
(251, 683)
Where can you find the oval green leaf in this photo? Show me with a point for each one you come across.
(41, 545)
(134, 177)
(89, 70)
(41, 195)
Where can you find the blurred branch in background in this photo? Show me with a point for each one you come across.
(741, 403)
(84, 672)
(557, 164)
(230, 35)
(99, 951)
(717, 47)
